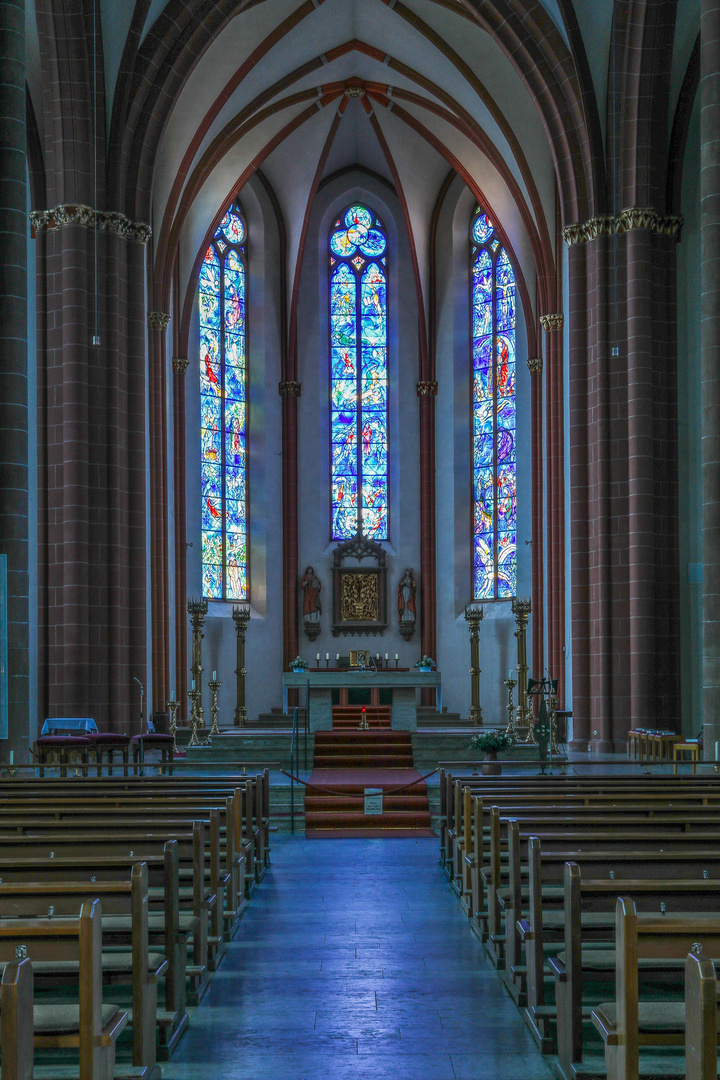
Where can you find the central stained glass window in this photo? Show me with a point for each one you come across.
(493, 354)
(223, 411)
(358, 375)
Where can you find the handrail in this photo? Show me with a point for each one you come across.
(292, 783)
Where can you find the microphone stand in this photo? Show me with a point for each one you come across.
(142, 744)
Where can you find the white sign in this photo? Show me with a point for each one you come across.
(373, 800)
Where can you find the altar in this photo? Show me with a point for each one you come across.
(403, 685)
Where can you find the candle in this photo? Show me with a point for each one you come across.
(510, 674)
(214, 676)
(12, 756)
(396, 656)
(318, 656)
(172, 695)
(337, 655)
(386, 656)
(377, 655)
(327, 655)
(193, 685)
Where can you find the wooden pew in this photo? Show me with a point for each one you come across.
(16, 1021)
(168, 929)
(628, 1023)
(588, 952)
(701, 1017)
(138, 966)
(90, 1027)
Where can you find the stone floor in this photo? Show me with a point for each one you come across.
(355, 961)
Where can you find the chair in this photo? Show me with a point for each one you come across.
(61, 751)
(105, 745)
(164, 743)
(680, 749)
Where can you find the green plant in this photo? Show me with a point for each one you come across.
(489, 742)
(298, 664)
(426, 661)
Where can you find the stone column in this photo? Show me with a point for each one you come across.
(13, 354)
(157, 325)
(427, 390)
(290, 390)
(710, 360)
(180, 366)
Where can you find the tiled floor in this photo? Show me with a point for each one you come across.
(355, 961)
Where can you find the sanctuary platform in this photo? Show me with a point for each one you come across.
(403, 686)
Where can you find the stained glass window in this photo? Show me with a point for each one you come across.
(493, 352)
(222, 411)
(358, 375)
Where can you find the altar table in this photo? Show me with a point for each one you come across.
(402, 683)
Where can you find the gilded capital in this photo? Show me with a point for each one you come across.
(427, 386)
(180, 365)
(157, 320)
(554, 321)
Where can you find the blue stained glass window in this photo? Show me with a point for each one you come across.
(493, 459)
(358, 375)
(223, 424)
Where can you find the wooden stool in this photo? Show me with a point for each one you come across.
(679, 751)
(634, 745)
(105, 745)
(163, 743)
(59, 750)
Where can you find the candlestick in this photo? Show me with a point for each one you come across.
(214, 688)
(197, 610)
(511, 684)
(173, 706)
(241, 617)
(474, 615)
(192, 694)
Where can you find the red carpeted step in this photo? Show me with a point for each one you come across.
(349, 761)
(328, 803)
(348, 820)
(370, 738)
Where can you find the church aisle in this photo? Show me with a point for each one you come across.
(354, 960)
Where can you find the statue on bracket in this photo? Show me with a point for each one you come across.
(406, 604)
(311, 585)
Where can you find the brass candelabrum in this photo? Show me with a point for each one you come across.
(214, 687)
(474, 616)
(521, 609)
(197, 610)
(173, 706)
(194, 741)
(510, 729)
(241, 618)
(552, 702)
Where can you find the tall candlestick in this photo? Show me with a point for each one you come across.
(241, 617)
(474, 616)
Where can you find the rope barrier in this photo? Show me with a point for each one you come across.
(353, 794)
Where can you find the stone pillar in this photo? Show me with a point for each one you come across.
(157, 326)
(180, 366)
(13, 354)
(290, 390)
(427, 390)
(537, 665)
(710, 360)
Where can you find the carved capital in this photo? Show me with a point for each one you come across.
(554, 321)
(535, 365)
(427, 386)
(85, 216)
(633, 217)
(289, 387)
(180, 365)
(157, 320)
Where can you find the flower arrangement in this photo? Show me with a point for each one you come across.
(490, 742)
(298, 664)
(426, 663)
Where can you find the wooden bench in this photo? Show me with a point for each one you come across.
(89, 1027)
(628, 1023)
(125, 935)
(588, 954)
(701, 1017)
(16, 1021)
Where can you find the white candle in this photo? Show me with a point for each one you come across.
(386, 656)
(318, 656)
(172, 695)
(193, 685)
(12, 756)
(214, 676)
(377, 655)
(510, 674)
(396, 656)
(327, 655)
(337, 655)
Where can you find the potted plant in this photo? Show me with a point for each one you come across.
(490, 743)
(425, 663)
(298, 664)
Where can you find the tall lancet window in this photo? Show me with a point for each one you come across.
(494, 479)
(358, 375)
(223, 411)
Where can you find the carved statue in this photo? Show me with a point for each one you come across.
(406, 597)
(311, 586)
(406, 604)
